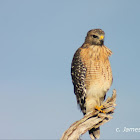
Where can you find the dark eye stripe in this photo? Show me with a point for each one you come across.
(95, 36)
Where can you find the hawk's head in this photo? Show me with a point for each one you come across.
(95, 37)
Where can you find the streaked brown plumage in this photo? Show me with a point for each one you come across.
(91, 73)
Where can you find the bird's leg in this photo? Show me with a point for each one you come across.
(99, 108)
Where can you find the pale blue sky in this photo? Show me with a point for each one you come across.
(37, 43)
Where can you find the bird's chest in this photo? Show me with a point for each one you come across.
(98, 75)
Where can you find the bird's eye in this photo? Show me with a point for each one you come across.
(94, 36)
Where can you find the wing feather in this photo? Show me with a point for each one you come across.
(78, 73)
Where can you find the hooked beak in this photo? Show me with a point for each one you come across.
(101, 37)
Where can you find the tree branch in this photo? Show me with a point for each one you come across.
(91, 120)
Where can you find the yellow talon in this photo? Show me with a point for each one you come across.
(99, 108)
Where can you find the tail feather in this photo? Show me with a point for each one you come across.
(94, 133)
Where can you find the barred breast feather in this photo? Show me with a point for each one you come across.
(98, 75)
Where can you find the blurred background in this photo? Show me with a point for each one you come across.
(37, 41)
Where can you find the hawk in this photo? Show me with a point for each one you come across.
(91, 74)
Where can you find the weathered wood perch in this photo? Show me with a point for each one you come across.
(91, 120)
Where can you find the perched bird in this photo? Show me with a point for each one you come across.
(91, 74)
